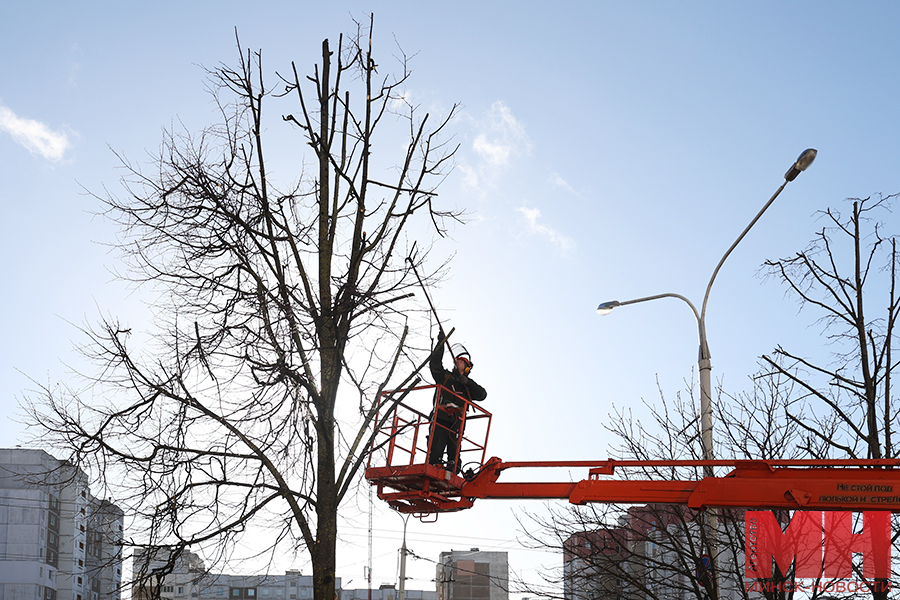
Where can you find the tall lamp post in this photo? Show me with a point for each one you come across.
(704, 366)
(703, 362)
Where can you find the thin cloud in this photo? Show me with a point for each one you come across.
(35, 136)
(565, 244)
(494, 153)
(559, 182)
(499, 140)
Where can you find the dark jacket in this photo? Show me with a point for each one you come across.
(464, 386)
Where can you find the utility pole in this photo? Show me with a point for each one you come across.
(403, 552)
(369, 573)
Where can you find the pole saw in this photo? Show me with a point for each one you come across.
(412, 265)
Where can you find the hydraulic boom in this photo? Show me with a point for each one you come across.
(410, 485)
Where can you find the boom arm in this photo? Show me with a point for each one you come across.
(853, 485)
(399, 468)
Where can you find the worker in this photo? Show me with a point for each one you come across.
(446, 424)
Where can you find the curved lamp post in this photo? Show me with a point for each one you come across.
(703, 362)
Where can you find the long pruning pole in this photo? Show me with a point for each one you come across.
(433, 311)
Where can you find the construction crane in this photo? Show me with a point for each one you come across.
(399, 470)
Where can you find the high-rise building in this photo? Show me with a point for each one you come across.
(650, 553)
(590, 560)
(473, 575)
(57, 541)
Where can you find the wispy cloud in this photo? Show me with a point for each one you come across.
(559, 182)
(35, 136)
(565, 244)
(500, 138)
(73, 63)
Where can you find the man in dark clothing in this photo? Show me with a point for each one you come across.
(448, 408)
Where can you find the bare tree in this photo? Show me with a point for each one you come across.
(848, 275)
(278, 304)
(658, 551)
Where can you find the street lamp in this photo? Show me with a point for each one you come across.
(703, 362)
(704, 365)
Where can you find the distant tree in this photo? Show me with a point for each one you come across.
(844, 406)
(273, 299)
(656, 551)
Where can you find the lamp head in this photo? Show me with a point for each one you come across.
(606, 307)
(801, 164)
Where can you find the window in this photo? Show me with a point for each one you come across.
(180, 590)
(220, 591)
(168, 589)
(251, 593)
(236, 593)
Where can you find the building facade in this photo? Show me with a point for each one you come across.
(472, 575)
(189, 579)
(592, 564)
(651, 553)
(386, 592)
(57, 541)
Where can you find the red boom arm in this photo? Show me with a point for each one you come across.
(854, 485)
(409, 484)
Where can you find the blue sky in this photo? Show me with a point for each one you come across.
(608, 150)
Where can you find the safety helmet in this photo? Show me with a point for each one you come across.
(459, 351)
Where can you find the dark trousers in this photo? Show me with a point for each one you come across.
(445, 437)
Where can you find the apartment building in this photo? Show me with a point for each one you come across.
(57, 541)
(473, 575)
(190, 580)
(650, 554)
